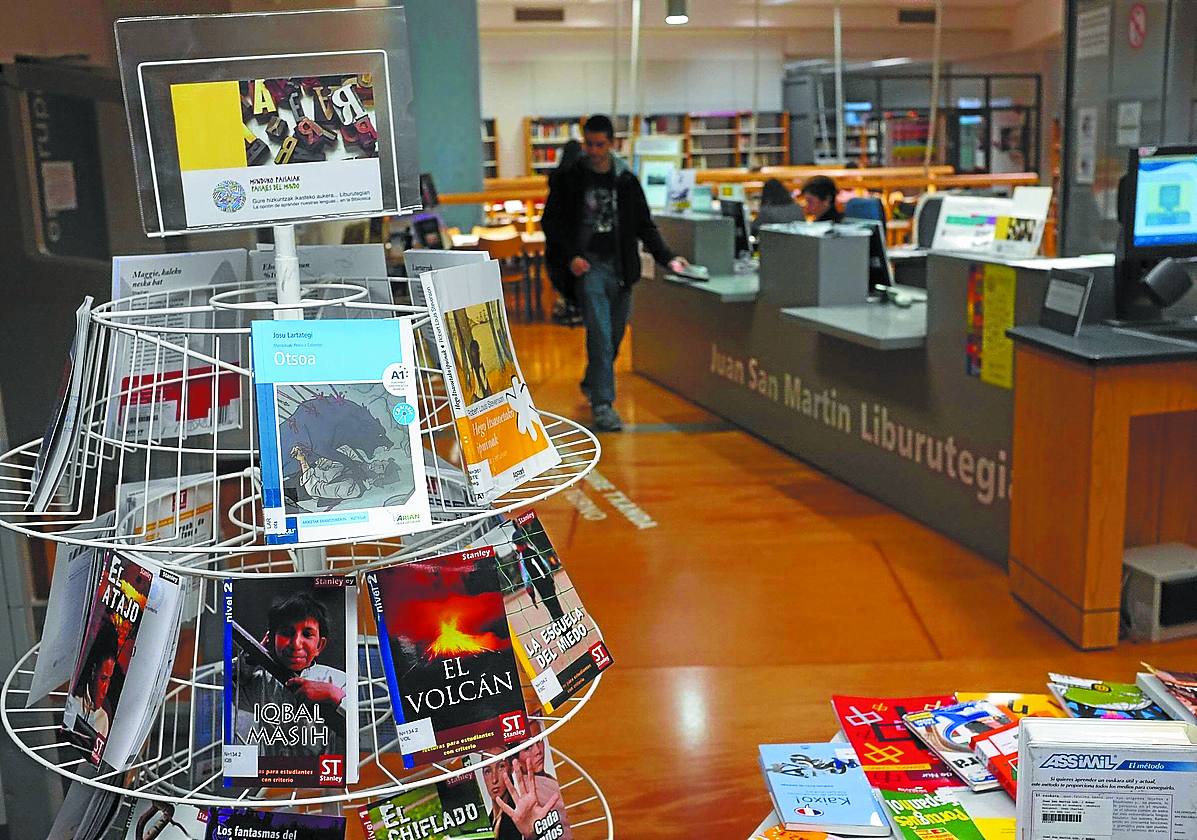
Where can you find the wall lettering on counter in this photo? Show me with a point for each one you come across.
(987, 476)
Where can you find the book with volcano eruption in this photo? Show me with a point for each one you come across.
(446, 649)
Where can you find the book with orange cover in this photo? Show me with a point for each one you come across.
(1017, 704)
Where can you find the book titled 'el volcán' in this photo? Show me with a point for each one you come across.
(446, 649)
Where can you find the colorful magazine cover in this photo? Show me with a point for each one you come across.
(1085, 698)
(115, 616)
(290, 682)
(338, 429)
(447, 810)
(503, 438)
(447, 652)
(1016, 704)
(522, 796)
(889, 753)
(226, 823)
(559, 644)
(949, 732)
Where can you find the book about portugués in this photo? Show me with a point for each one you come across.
(447, 810)
(925, 815)
(559, 644)
(1174, 691)
(1085, 698)
(290, 682)
(821, 786)
(949, 732)
(522, 795)
(447, 653)
(503, 439)
(338, 430)
(228, 823)
(115, 617)
(888, 752)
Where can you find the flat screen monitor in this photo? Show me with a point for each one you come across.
(428, 194)
(734, 210)
(879, 270)
(1163, 195)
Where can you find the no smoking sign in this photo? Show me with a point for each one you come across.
(1136, 27)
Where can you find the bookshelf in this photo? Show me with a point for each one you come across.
(772, 130)
(713, 140)
(543, 139)
(490, 148)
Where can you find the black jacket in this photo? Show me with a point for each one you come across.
(562, 220)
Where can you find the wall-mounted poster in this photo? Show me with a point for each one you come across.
(262, 119)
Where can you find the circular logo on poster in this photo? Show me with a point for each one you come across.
(228, 196)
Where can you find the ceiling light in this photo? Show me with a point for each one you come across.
(675, 13)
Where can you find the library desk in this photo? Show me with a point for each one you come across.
(1105, 439)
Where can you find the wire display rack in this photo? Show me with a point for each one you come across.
(164, 468)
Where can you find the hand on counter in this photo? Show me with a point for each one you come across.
(579, 266)
(679, 264)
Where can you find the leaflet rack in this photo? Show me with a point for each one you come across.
(127, 459)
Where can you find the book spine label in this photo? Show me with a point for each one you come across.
(384, 653)
(229, 728)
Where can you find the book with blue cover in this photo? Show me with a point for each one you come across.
(821, 787)
(338, 430)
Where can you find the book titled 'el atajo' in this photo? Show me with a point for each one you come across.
(446, 649)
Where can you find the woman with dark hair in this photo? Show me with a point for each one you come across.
(777, 206)
(556, 259)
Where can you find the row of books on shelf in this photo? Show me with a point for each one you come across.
(295, 711)
(1088, 758)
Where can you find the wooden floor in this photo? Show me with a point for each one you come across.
(764, 587)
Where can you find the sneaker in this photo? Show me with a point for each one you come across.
(606, 419)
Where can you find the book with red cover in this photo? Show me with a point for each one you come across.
(997, 749)
(889, 753)
(446, 649)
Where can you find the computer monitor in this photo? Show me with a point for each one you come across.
(1157, 214)
(880, 273)
(428, 195)
(734, 210)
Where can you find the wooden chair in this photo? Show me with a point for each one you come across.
(513, 267)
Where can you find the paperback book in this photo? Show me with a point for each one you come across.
(925, 815)
(821, 787)
(62, 431)
(155, 391)
(522, 795)
(338, 430)
(152, 820)
(116, 614)
(447, 810)
(1174, 691)
(997, 750)
(1085, 698)
(358, 265)
(949, 731)
(447, 653)
(290, 682)
(1016, 704)
(503, 438)
(559, 644)
(888, 752)
(226, 823)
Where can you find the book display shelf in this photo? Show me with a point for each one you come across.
(490, 148)
(544, 137)
(159, 467)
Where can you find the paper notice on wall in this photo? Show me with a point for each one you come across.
(1086, 145)
(997, 350)
(1130, 123)
(1093, 33)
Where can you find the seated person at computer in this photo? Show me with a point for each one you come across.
(818, 194)
(777, 206)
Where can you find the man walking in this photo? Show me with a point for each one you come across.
(594, 216)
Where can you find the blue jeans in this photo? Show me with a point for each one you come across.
(606, 303)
